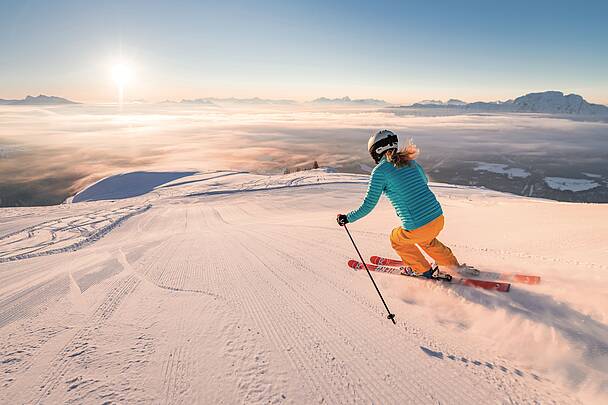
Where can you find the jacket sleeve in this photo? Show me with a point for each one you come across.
(374, 191)
(422, 173)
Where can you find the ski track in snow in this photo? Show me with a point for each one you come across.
(63, 234)
(208, 293)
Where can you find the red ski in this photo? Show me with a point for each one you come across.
(487, 285)
(512, 277)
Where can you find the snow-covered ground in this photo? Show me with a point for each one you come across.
(563, 183)
(593, 175)
(510, 172)
(230, 287)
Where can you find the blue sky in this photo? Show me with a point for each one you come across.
(397, 50)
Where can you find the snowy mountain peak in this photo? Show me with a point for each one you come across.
(346, 100)
(455, 101)
(439, 103)
(233, 100)
(430, 102)
(556, 102)
(38, 100)
(547, 102)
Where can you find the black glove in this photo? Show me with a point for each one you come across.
(342, 219)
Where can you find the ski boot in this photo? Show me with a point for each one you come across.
(435, 273)
(432, 273)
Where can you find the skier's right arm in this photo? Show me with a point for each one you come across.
(374, 191)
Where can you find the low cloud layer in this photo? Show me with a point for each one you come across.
(47, 154)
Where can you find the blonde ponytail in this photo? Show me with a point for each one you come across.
(404, 156)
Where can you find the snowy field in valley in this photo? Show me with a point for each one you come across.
(510, 172)
(560, 183)
(230, 287)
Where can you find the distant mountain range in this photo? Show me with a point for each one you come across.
(439, 103)
(348, 101)
(257, 101)
(233, 100)
(548, 102)
(209, 101)
(38, 100)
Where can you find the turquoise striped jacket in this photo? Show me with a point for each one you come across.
(406, 188)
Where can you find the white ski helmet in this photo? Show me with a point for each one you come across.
(380, 143)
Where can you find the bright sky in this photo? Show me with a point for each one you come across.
(401, 51)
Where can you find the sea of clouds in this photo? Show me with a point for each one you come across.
(57, 150)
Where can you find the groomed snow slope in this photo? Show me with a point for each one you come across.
(227, 287)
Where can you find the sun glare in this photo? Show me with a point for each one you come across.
(122, 74)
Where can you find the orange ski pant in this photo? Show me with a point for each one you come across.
(404, 242)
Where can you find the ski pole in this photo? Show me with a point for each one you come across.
(390, 316)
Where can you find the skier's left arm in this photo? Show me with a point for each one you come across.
(374, 191)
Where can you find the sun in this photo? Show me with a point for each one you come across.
(122, 74)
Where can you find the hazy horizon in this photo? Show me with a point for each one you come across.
(285, 98)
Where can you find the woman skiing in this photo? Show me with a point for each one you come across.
(402, 179)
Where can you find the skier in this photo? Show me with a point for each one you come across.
(402, 179)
